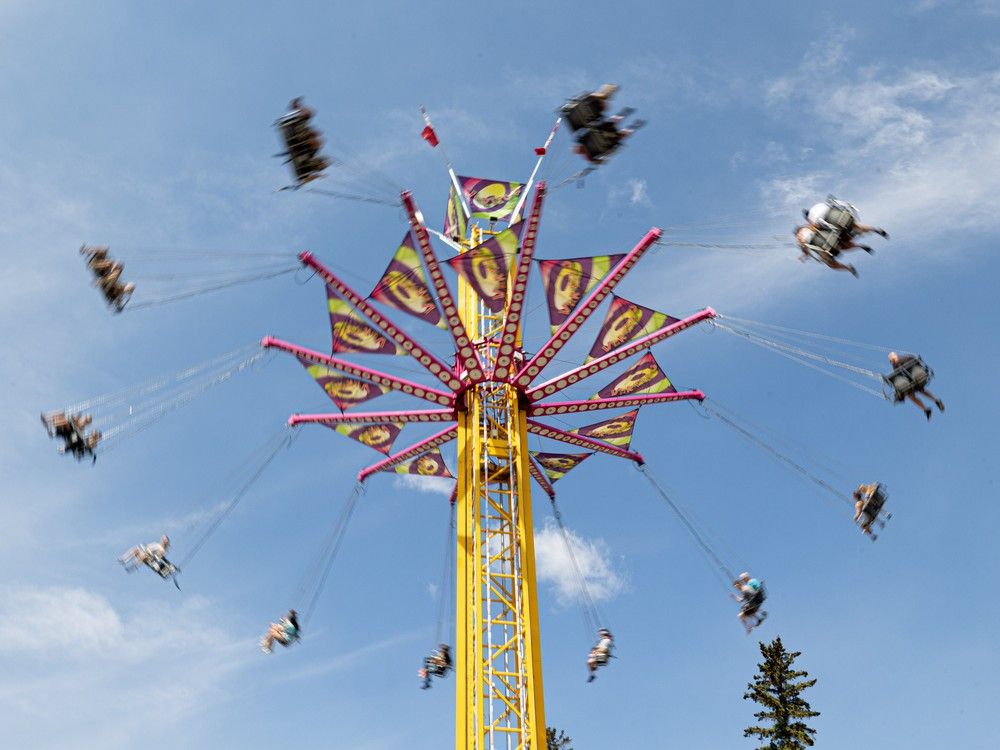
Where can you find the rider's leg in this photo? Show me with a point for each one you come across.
(937, 402)
(923, 407)
(838, 266)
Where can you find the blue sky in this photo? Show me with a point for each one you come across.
(145, 127)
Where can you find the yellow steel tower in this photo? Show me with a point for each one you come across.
(498, 660)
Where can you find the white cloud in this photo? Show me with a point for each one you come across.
(56, 621)
(74, 666)
(634, 191)
(429, 485)
(639, 195)
(902, 145)
(555, 566)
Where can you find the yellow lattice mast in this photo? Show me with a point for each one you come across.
(490, 404)
(499, 700)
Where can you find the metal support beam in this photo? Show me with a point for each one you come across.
(618, 402)
(408, 387)
(422, 415)
(512, 320)
(572, 324)
(434, 365)
(466, 351)
(434, 441)
(602, 363)
(544, 430)
(543, 481)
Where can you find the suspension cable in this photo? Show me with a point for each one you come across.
(797, 354)
(774, 245)
(798, 351)
(796, 466)
(591, 614)
(696, 535)
(156, 301)
(287, 437)
(447, 575)
(158, 382)
(328, 554)
(143, 416)
(350, 197)
(805, 334)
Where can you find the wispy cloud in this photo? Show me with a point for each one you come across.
(555, 565)
(97, 659)
(57, 621)
(639, 195)
(903, 145)
(347, 659)
(428, 485)
(982, 7)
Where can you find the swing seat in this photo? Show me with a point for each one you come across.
(119, 304)
(291, 122)
(909, 378)
(841, 218)
(875, 501)
(827, 243)
(581, 112)
(755, 602)
(296, 132)
(600, 142)
(438, 670)
(162, 567)
(873, 507)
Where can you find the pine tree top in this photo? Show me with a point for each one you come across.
(777, 688)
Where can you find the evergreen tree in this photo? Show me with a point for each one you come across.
(554, 742)
(777, 688)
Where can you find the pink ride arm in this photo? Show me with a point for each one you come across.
(580, 441)
(363, 373)
(436, 367)
(602, 363)
(466, 352)
(543, 481)
(376, 417)
(572, 324)
(445, 436)
(618, 402)
(512, 321)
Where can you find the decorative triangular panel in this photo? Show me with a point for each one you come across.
(343, 390)
(380, 435)
(404, 286)
(625, 322)
(617, 431)
(429, 464)
(568, 280)
(644, 377)
(352, 334)
(557, 465)
(487, 266)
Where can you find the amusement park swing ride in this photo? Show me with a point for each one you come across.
(486, 399)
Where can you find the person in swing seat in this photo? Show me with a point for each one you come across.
(751, 596)
(436, 665)
(909, 378)
(285, 631)
(600, 653)
(146, 554)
